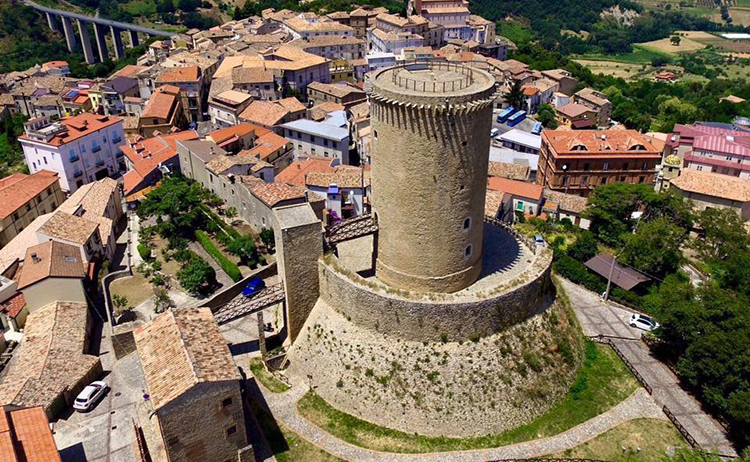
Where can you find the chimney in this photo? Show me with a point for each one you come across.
(35, 258)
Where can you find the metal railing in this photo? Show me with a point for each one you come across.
(680, 428)
(432, 87)
(626, 361)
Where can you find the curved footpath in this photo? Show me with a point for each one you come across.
(284, 409)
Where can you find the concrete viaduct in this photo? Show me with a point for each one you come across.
(62, 21)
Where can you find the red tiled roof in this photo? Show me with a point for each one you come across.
(296, 171)
(179, 74)
(239, 130)
(13, 305)
(20, 189)
(146, 155)
(516, 188)
(25, 436)
(78, 126)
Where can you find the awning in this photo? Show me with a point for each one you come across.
(624, 277)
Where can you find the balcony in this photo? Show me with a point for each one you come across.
(77, 174)
(96, 148)
(119, 153)
(99, 163)
(73, 158)
(116, 139)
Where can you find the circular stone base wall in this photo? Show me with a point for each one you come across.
(459, 389)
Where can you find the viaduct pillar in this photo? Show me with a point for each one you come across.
(54, 22)
(100, 34)
(117, 40)
(133, 38)
(88, 52)
(70, 35)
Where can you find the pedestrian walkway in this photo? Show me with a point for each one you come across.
(284, 409)
(598, 318)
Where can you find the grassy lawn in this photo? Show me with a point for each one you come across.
(286, 445)
(602, 383)
(653, 437)
(266, 378)
(514, 31)
(639, 55)
(137, 289)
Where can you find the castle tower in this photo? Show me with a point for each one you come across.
(431, 125)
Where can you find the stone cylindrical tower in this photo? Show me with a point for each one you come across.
(431, 127)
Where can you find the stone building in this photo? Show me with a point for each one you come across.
(714, 190)
(193, 389)
(25, 197)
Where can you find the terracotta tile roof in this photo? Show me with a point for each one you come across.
(93, 198)
(321, 25)
(713, 184)
(267, 144)
(273, 193)
(25, 436)
(13, 305)
(574, 110)
(270, 113)
(343, 176)
(131, 70)
(182, 348)
(239, 130)
(232, 97)
(593, 96)
(16, 191)
(180, 74)
(599, 142)
(148, 154)
(282, 57)
(336, 90)
(15, 250)
(78, 126)
(252, 75)
(295, 173)
(516, 188)
(510, 171)
(69, 227)
(492, 203)
(325, 41)
(567, 202)
(162, 102)
(50, 359)
(53, 260)
(321, 110)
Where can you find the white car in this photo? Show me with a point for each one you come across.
(494, 132)
(88, 397)
(641, 321)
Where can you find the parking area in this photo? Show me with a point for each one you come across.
(104, 434)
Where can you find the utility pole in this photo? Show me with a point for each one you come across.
(609, 279)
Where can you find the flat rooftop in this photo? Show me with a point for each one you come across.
(433, 80)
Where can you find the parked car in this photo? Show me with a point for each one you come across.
(641, 321)
(253, 287)
(494, 132)
(538, 239)
(88, 397)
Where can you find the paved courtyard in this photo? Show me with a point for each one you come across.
(104, 434)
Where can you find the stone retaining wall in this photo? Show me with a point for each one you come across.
(424, 319)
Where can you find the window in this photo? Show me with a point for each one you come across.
(625, 166)
(325, 142)
(584, 180)
(226, 403)
(604, 180)
(641, 179)
(565, 181)
(586, 167)
(467, 251)
(45, 160)
(231, 430)
(645, 166)
(605, 166)
(467, 223)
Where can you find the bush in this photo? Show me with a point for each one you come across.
(144, 252)
(230, 268)
(213, 218)
(585, 247)
(577, 272)
(245, 249)
(267, 237)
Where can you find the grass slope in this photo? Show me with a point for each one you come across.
(602, 383)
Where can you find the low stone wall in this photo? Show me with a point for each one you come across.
(222, 298)
(458, 318)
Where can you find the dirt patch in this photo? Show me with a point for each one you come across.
(136, 289)
(665, 45)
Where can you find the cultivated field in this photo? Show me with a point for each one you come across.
(665, 46)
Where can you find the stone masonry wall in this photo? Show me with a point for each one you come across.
(425, 319)
(194, 426)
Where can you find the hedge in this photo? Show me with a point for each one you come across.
(220, 223)
(230, 268)
(144, 252)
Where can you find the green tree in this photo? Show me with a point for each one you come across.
(165, 6)
(162, 300)
(121, 303)
(675, 39)
(197, 276)
(584, 248)
(188, 6)
(546, 115)
(654, 249)
(267, 238)
(610, 209)
(659, 61)
(244, 247)
(514, 97)
(176, 199)
(230, 212)
(723, 234)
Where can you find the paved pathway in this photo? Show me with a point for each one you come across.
(284, 408)
(598, 318)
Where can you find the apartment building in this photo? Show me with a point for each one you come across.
(114, 91)
(80, 149)
(307, 25)
(190, 82)
(345, 94)
(225, 108)
(271, 114)
(714, 190)
(24, 198)
(329, 138)
(565, 80)
(163, 112)
(150, 159)
(576, 162)
(597, 102)
(710, 148)
(258, 82)
(332, 47)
